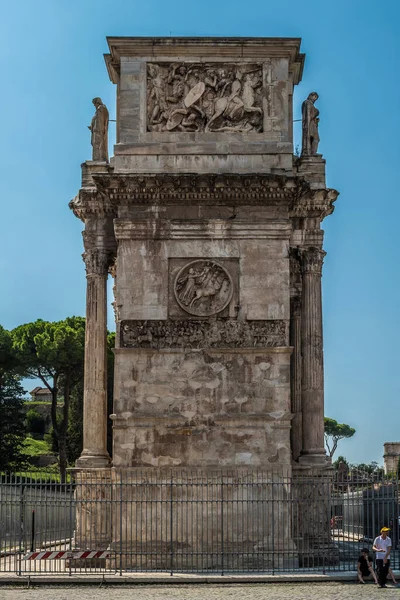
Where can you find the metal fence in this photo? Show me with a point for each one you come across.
(240, 521)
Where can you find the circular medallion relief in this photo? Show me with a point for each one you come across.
(203, 288)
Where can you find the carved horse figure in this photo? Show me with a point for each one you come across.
(211, 284)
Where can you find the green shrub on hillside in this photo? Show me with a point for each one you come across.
(35, 422)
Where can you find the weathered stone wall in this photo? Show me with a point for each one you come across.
(193, 389)
(202, 408)
(259, 267)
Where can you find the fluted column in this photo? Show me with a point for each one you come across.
(94, 454)
(295, 376)
(312, 397)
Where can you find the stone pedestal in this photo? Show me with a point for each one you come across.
(312, 168)
(311, 496)
(202, 520)
(94, 509)
(90, 168)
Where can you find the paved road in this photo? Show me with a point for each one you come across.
(273, 591)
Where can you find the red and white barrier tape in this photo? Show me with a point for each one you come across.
(52, 555)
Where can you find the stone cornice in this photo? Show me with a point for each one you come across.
(163, 189)
(208, 48)
(314, 203)
(113, 189)
(91, 203)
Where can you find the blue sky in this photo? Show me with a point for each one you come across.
(52, 66)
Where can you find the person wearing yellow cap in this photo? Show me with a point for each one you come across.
(382, 546)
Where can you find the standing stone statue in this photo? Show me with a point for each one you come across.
(99, 129)
(310, 125)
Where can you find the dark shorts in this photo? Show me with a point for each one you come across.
(366, 573)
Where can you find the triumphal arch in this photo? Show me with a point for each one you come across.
(210, 226)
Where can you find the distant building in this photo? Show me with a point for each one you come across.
(41, 394)
(391, 456)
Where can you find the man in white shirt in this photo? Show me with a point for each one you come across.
(382, 546)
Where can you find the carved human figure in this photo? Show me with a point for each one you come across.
(157, 93)
(310, 121)
(189, 290)
(251, 82)
(99, 129)
(230, 107)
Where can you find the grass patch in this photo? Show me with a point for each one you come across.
(33, 447)
(49, 476)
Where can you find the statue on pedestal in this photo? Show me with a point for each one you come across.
(310, 125)
(99, 129)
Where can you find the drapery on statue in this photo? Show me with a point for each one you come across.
(310, 125)
(99, 129)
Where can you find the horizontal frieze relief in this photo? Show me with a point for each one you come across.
(201, 333)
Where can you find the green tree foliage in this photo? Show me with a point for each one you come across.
(334, 432)
(7, 355)
(372, 468)
(12, 423)
(54, 353)
(35, 422)
(75, 425)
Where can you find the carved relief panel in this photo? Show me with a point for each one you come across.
(204, 97)
(203, 288)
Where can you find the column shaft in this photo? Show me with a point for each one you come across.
(94, 452)
(295, 377)
(313, 450)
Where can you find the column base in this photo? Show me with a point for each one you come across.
(314, 459)
(93, 461)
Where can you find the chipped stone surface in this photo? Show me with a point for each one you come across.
(203, 408)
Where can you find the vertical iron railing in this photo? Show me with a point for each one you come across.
(199, 521)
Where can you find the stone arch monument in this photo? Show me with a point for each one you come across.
(211, 228)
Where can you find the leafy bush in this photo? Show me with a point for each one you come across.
(35, 422)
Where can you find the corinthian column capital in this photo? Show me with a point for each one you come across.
(312, 259)
(97, 261)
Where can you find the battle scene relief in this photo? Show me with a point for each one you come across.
(204, 97)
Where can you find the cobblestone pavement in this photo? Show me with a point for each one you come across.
(271, 591)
